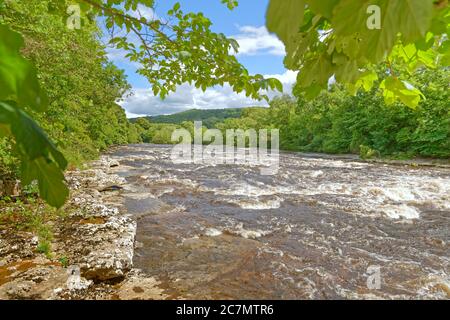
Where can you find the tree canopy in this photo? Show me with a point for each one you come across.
(351, 40)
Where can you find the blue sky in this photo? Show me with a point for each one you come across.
(260, 52)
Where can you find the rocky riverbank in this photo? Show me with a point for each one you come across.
(96, 239)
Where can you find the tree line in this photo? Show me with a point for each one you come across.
(338, 122)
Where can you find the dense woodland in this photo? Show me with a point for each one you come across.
(337, 122)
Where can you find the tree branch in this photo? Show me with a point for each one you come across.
(115, 12)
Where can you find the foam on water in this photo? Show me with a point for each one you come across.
(257, 203)
(213, 232)
(401, 211)
(310, 231)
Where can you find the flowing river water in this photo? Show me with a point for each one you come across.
(321, 228)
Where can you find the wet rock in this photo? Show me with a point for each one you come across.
(101, 210)
(138, 245)
(140, 287)
(15, 246)
(111, 188)
(35, 240)
(94, 178)
(102, 251)
(114, 163)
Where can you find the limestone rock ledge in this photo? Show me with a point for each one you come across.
(97, 239)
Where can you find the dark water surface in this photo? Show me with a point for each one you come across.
(316, 230)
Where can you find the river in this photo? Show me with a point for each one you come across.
(321, 228)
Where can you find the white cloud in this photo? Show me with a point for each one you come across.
(257, 40)
(143, 102)
(288, 80)
(289, 77)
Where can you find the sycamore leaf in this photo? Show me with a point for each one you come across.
(427, 58)
(284, 18)
(234, 44)
(231, 4)
(184, 55)
(445, 60)
(40, 160)
(444, 50)
(34, 140)
(312, 91)
(323, 7)
(275, 84)
(316, 71)
(365, 82)
(50, 180)
(410, 18)
(346, 70)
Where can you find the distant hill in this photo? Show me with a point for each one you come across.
(208, 117)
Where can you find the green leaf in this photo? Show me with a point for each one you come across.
(316, 71)
(346, 70)
(50, 180)
(445, 60)
(231, 4)
(40, 160)
(367, 80)
(33, 139)
(284, 18)
(277, 84)
(184, 55)
(234, 44)
(312, 91)
(323, 7)
(427, 58)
